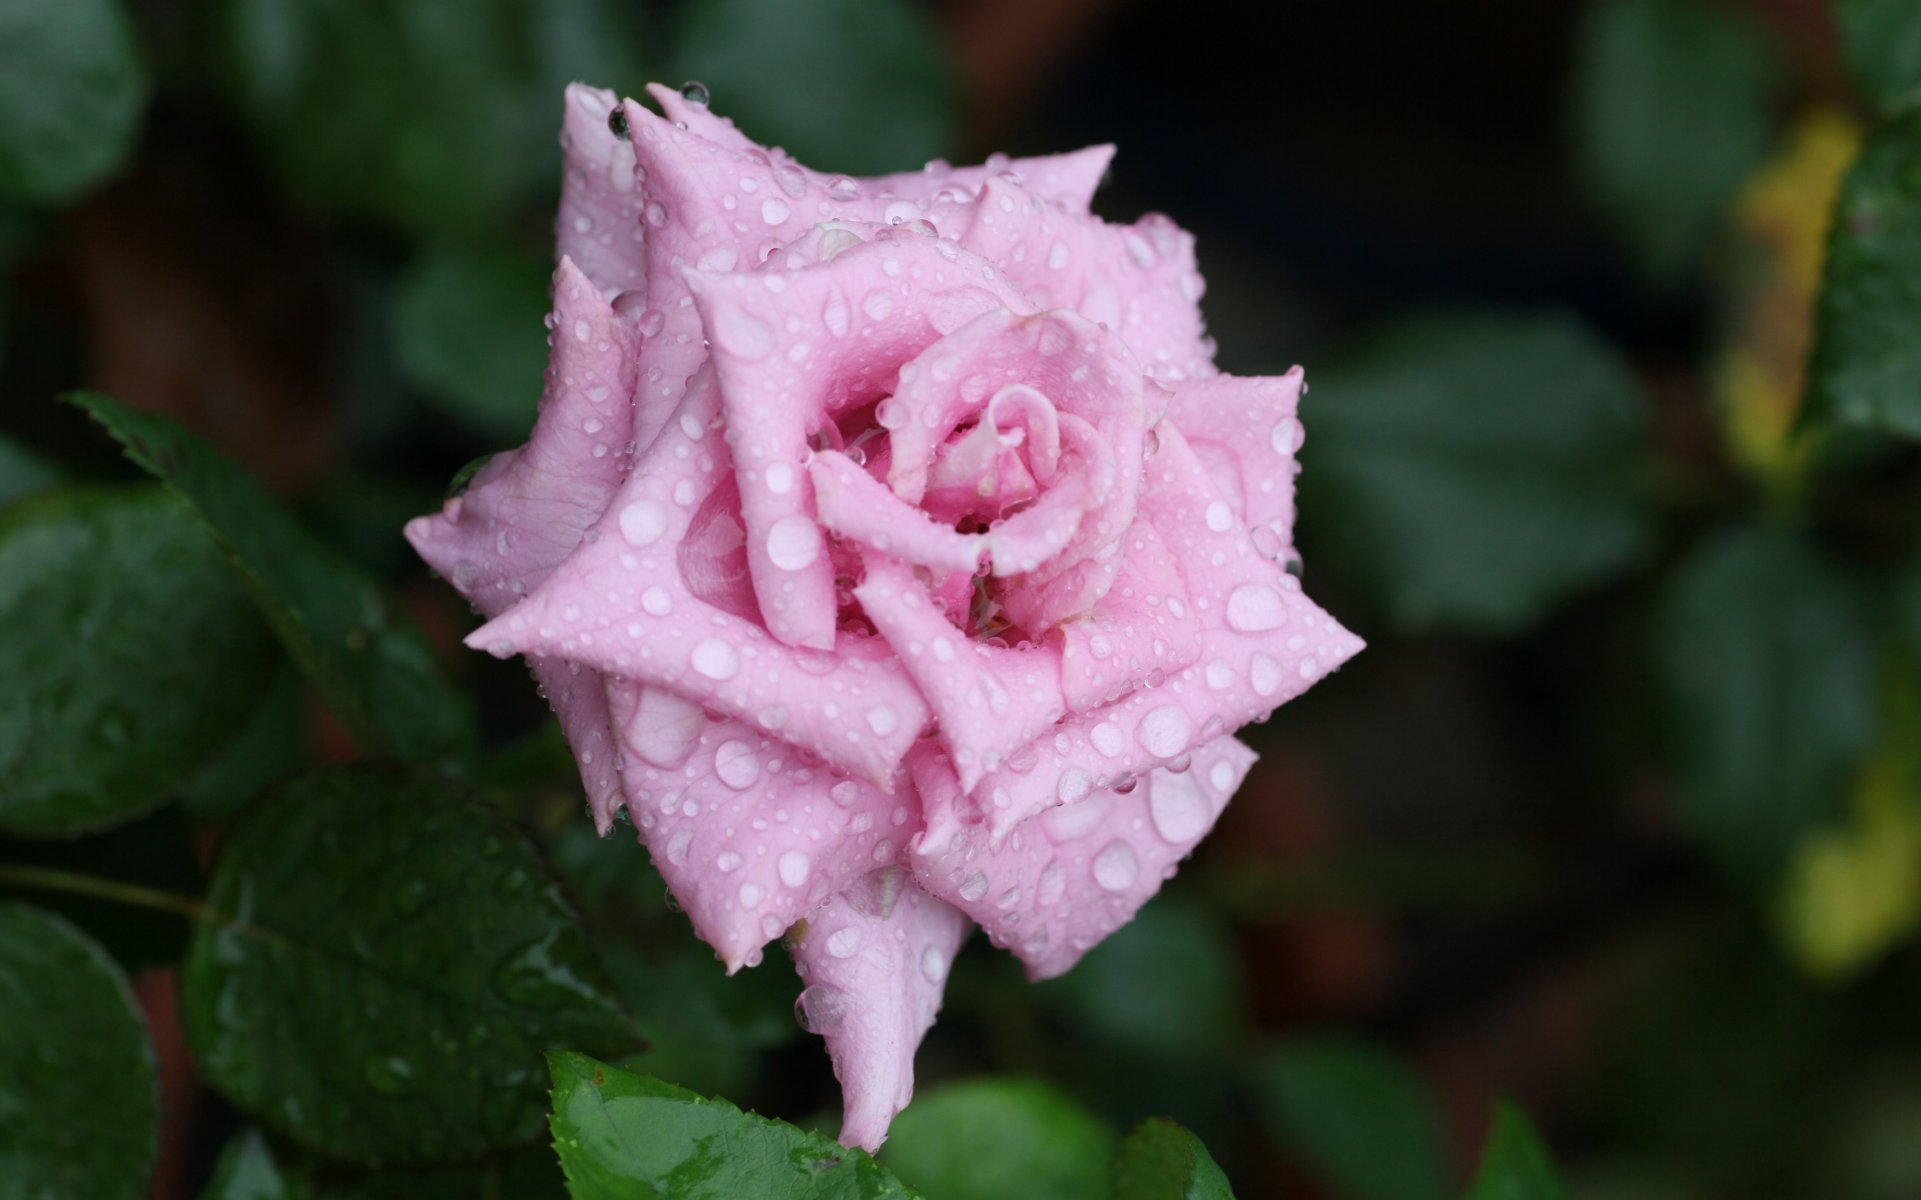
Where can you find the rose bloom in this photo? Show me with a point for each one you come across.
(893, 554)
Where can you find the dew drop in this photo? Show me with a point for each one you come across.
(793, 867)
(642, 522)
(1164, 731)
(1178, 809)
(793, 542)
(1116, 866)
(1255, 608)
(695, 92)
(737, 764)
(716, 659)
(842, 943)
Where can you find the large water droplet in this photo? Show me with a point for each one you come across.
(716, 659)
(1164, 731)
(793, 867)
(1178, 809)
(695, 92)
(842, 943)
(737, 764)
(1116, 866)
(642, 522)
(1255, 608)
(793, 542)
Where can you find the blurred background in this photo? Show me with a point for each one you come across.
(1618, 817)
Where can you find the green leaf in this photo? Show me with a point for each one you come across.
(79, 1115)
(860, 86)
(22, 472)
(130, 653)
(626, 1136)
(1882, 42)
(1673, 104)
(1767, 664)
(270, 747)
(468, 329)
(248, 1170)
(386, 963)
(1363, 1121)
(1515, 1165)
(71, 91)
(1471, 470)
(152, 852)
(432, 117)
(1866, 365)
(1167, 981)
(369, 664)
(989, 1138)
(1161, 1161)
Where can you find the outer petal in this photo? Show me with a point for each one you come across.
(988, 701)
(1138, 280)
(653, 596)
(1261, 643)
(599, 225)
(1141, 629)
(875, 960)
(1246, 433)
(748, 834)
(529, 508)
(1066, 880)
(793, 348)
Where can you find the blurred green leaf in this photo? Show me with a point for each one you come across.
(79, 1115)
(374, 670)
(271, 746)
(468, 330)
(1767, 664)
(985, 1139)
(130, 653)
(1673, 104)
(1515, 1165)
(384, 964)
(152, 852)
(1364, 1122)
(861, 86)
(1471, 470)
(433, 117)
(1168, 981)
(1161, 1161)
(71, 91)
(1882, 42)
(1866, 365)
(625, 1136)
(247, 1170)
(22, 472)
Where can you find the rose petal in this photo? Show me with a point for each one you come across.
(987, 700)
(860, 508)
(599, 225)
(527, 509)
(1142, 628)
(1137, 280)
(747, 834)
(875, 961)
(1062, 882)
(1247, 432)
(792, 349)
(624, 604)
(1260, 642)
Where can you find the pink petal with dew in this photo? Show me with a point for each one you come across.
(874, 961)
(599, 225)
(1260, 642)
(749, 834)
(1068, 179)
(987, 700)
(793, 348)
(1247, 433)
(1137, 280)
(527, 509)
(858, 507)
(1140, 630)
(639, 601)
(1065, 880)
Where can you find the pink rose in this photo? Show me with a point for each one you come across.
(892, 551)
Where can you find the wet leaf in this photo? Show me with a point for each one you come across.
(1515, 1165)
(1767, 665)
(1673, 104)
(1357, 1116)
(387, 963)
(988, 1138)
(373, 669)
(1471, 470)
(1161, 1161)
(626, 1136)
(861, 86)
(1866, 368)
(152, 852)
(71, 92)
(131, 655)
(23, 472)
(78, 1111)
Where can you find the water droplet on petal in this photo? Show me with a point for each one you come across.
(716, 659)
(793, 542)
(1178, 809)
(793, 867)
(1164, 732)
(1116, 866)
(737, 764)
(642, 522)
(695, 92)
(1255, 608)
